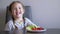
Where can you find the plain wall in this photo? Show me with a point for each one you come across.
(45, 13)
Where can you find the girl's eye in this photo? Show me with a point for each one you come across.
(19, 8)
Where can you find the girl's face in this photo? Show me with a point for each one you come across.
(17, 10)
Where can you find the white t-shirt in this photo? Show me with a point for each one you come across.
(10, 25)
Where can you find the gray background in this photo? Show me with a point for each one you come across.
(45, 13)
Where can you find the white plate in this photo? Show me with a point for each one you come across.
(36, 30)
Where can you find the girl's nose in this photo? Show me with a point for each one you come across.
(18, 11)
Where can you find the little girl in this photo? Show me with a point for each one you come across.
(17, 10)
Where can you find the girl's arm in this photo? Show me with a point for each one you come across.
(29, 22)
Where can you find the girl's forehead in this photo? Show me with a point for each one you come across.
(16, 4)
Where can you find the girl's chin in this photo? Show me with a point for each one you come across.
(18, 16)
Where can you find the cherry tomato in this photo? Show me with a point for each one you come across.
(40, 28)
(33, 28)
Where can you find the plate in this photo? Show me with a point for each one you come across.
(36, 30)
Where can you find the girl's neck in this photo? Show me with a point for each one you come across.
(19, 19)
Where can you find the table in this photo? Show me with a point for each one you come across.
(49, 31)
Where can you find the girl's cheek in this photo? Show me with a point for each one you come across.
(13, 13)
